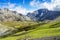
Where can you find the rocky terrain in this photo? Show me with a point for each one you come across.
(5, 30)
(43, 14)
(40, 24)
(8, 15)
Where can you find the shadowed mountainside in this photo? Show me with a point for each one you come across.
(43, 14)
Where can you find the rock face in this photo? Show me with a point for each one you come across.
(43, 14)
(8, 15)
(4, 30)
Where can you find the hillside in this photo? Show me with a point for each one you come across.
(34, 32)
(39, 24)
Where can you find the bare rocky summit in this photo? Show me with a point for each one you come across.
(8, 15)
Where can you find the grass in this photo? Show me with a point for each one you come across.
(45, 32)
(36, 34)
(40, 31)
(17, 25)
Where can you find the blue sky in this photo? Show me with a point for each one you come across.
(24, 6)
(24, 3)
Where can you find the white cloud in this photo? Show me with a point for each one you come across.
(34, 3)
(8, 5)
(18, 8)
(51, 6)
(11, 5)
(57, 3)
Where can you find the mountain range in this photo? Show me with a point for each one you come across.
(43, 14)
(38, 15)
(8, 15)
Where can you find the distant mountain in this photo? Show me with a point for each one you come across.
(8, 15)
(38, 15)
(43, 14)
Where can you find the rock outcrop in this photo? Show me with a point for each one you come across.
(8, 15)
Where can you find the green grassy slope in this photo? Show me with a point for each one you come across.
(45, 30)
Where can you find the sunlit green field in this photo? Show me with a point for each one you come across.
(32, 30)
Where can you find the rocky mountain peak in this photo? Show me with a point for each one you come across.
(43, 14)
(8, 15)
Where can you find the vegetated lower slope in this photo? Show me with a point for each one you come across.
(11, 27)
(43, 30)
